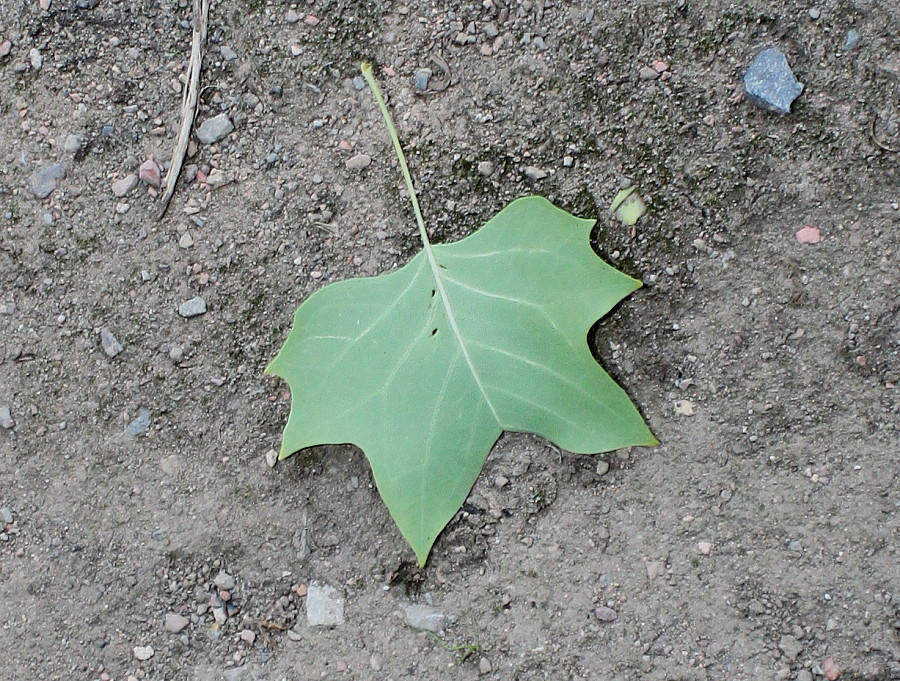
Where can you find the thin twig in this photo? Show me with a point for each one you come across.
(188, 101)
(878, 142)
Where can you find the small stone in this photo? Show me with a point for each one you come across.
(111, 345)
(831, 669)
(143, 653)
(602, 467)
(814, 13)
(358, 162)
(790, 646)
(605, 614)
(271, 458)
(248, 637)
(176, 354)
(224, 581)
(704, 547)
(227, 53)
(484, 666)
(535, 173)
(186, 240)
(311, 20)
(216, 179)
(486, 168)
(684, 407)
(5, 48)
(34, 56)
(6, 516)
(73, 143)
(375, 663)
(176, 623)
(8, 309)
(192, 308)
(425, 618)
(215, 129)
(234, 674)
(655, 568)
(851, 40)
(770, 83)
(648, 73)
(149, 173)
(42, 183)
(292, 17)
(421, 79)
(324, 606)
(6, 419)
(140, 423)
(124, 185)
(808, 235)
(804, 675)
(359, 82)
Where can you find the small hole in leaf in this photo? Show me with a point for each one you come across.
(433, 331)
(432, 293)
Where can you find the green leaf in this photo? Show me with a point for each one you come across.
(424, 367)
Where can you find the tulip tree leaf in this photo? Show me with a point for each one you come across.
(424, 367)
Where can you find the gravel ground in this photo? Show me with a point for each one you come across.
(145, 536)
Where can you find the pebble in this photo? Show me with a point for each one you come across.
(111, 345)
(140, 423)
(486, 168)
(248, 637)
(224, 581)
(292, 17)
(8, 309)
(214, 129)
(6, 419)
(216, 179)
(421, 79)
(149, 173)
(851, 40)
(176, 623)
(6, 516)
(324, 606)
(122, 186)
(42, 183)
(143, 652)
(770, 83)
(186, 240)
(831, 669)
(704, 547)
(358, 82)
(227, 53)
(34, 56)
(804, 675)
(808, 235)
(5, 48)
(73, 143)
(602, 467)
(271, 458)
(648, 73)
(655, 568)
(814, 13)
(684, 407)
(425, 618)
(790, 646)
(605, 614)
(192, 308)
(358, 162)
(484, 666)
(535, 173)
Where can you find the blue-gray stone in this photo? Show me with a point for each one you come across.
(111, 345)
(359, 83)
(44, 181)
(422, 76)
(851, 40)
(770, 83)
(215, 129)
(140, 424)
(192, 308)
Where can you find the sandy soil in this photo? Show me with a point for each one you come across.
(758, 541)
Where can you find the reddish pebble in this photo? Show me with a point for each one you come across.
(831, 669)
(659, 66)
(341, 666)
(44, 4)
(225, 595)
(808, 235)
(149, 173)
(248, 637)
(311, 20)
(5, 48)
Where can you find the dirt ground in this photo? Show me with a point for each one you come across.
(758, 541)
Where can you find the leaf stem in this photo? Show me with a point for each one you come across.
(392, 131)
